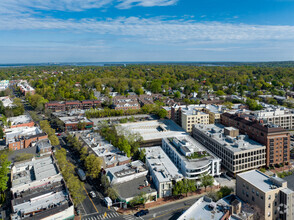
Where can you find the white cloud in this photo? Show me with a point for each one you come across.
(155, 30)
(125, 4)
(21, 6)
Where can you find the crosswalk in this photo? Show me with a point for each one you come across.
(131, 217)
(101, 216)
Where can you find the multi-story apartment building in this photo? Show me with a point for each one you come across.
(190, 157)
(57, 106)
(192, 117)
(269, 194)
(279, 116)
(25, 88)
(237, 152)
(125, 103)
(162, 170)
(276, 139)
(179, 113)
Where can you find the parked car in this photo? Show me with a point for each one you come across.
(92, 194)
(142, 212)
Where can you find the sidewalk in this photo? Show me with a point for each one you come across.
(168, 200)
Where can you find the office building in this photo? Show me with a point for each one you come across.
(237, 152)
(276, 139)
(162, 170)
(190, 157)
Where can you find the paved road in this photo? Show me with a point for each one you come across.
(90, 208)
(170, 211)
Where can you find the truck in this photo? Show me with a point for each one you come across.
(108, 201)
(81, 174)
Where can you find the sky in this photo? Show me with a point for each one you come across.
(38, 31)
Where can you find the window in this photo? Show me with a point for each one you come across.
(269, 197)
(269, 205)
(257, 193)
(269, 214)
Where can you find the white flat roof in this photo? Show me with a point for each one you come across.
(22, 119)
(259, 180)
(155, 129)
(163, 168)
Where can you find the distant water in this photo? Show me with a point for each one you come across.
(114, 64)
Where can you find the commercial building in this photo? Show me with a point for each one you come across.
(23, 137)
(20, 121)
(269, 194)
(162, 170)
(25, 88)
(229, 207)
(74, 123)
(237, 152)
(153, 131)
(277, 115)
(57, 106)
(39, 192)
(190, 157)
(130, 180)
(110, 155)
(276, 139)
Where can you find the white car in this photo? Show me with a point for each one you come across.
(92, 194)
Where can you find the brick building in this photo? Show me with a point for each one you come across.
(276, 139)
(57, 106)
(26, 141)
(25, 88)
(126, 103)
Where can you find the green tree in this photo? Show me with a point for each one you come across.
(93, 165)
(4, 170)
(1, 133)
(105, 182)
(111, 192)
(81, 125)
(162, 113)
(220, 93)
(83, 153)
(224, 191)
(206, 180)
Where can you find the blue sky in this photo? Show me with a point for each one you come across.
(33, 31)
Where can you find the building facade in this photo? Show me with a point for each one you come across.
(269, 194)
(190, 157)
(162, 170)
(276, 139)
(58, 106)
(192, 117)
(279, 116)
(237, 152)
